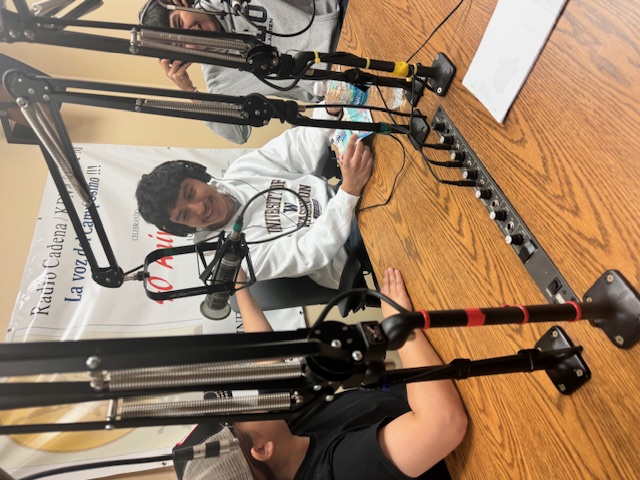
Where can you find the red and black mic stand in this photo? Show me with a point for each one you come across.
(319, 360)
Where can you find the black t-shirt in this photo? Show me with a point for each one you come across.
(344, 443)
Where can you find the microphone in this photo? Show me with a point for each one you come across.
(205, 450)
(216, 305)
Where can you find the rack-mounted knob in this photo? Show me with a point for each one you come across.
(515, 239)
(470, 174)
(446, 139)
(499, 215)
(483, 193)
(439, 127)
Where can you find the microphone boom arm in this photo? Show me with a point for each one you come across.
(232, 50)
(320, 360)
(298, 369)
(39, 98)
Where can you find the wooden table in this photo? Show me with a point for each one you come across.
(567, 159)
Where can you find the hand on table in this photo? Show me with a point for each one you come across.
(355, 164)
(393, 287)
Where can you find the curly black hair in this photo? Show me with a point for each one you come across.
(157, 194)
(152, 14)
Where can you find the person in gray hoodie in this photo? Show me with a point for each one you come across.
(269, 21)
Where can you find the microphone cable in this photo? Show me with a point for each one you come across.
(435, 30)
(307, 214)
(395, 180)
(427, 160)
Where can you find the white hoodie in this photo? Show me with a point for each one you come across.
(291, 160)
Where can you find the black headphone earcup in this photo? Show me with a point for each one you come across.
(177, 229)
(197, 171)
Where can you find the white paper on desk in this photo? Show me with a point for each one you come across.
(516, 33)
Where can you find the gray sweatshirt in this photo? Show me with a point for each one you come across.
(280, 16)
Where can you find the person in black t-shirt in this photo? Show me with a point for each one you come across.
(360, 435)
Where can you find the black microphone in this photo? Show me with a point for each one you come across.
(205, 450)
(216, 305)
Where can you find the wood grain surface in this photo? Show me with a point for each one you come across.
(566, 157)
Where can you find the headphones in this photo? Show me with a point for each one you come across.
(192, 170)
(196, 170)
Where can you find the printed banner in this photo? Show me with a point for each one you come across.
(59, 300)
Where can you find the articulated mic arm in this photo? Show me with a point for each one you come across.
(288, 372)
(39, 97)
(239, 51)
(291, 371)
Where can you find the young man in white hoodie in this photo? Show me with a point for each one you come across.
(178, 200)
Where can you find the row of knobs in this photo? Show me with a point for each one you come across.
(448, 140)
(483, 193)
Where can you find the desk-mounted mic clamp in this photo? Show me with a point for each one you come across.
(622, 326)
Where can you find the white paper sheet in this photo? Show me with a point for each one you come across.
(516, 33)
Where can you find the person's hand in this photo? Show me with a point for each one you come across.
(241, 279)
(334, 111)
(355, 164)
(393, 287)
(181, 3)
(177, 72)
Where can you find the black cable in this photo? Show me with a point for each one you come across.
(429, 162)
(244, 15)
(307, 214)
(295, 82)
(133, 270)
(404, 154)
(435, 30)
(88, 466)
(364, 107)
(355, 291)
(395, 181)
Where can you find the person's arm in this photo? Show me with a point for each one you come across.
(176, 71)
(437, 422)
(312, 248)
(253, 317)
